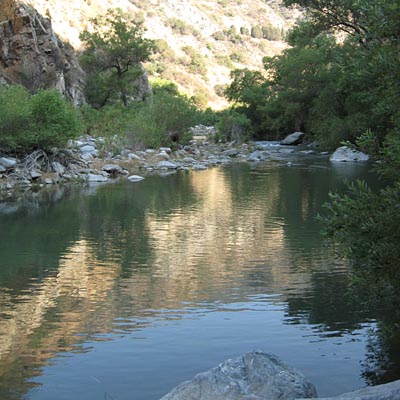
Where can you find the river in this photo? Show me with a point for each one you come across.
(124, 290)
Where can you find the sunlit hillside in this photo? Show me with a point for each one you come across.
(199, 41)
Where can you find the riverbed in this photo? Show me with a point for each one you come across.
(124, 290)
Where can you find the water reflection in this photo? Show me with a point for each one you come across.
(135, 260)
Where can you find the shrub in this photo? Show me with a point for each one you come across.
(42, 121)
(256, 32)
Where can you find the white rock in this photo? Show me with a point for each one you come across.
(346, 154)
(135, 178)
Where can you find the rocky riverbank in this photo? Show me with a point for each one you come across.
(89, 160)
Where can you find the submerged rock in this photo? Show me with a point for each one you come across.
(346, 154)
(252, 376)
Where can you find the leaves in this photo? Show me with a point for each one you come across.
(113, 54)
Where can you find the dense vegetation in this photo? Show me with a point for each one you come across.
(43, 120)
(338, 78)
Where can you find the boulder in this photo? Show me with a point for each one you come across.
(293, 139)
(252, 376)
(8, 162)
(346, 154)
(388, 391)
(166, 164)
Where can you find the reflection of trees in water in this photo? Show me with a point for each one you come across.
(129, 234)
(382, 363)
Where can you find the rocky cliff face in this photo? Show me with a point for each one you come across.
(32, 55)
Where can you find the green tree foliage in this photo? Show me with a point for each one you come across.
(43, 120)
(338, 78)
(113, 54)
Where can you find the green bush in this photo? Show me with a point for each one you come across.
(43, 120)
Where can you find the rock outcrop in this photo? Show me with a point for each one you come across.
(32, 55)
(252, 376)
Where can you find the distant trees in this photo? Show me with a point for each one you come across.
(113, 54)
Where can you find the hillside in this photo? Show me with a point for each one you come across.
(200, 41)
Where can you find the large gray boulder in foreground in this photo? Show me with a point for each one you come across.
(346, 154)
(293, 139)
(388, 391)
(252, 376)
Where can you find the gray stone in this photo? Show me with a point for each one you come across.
(57, 168)
(252, 376)
(8, 162)
(112, 168)
(96, 178)
(293, 139)
(35, 175)
(133, 156)
(254, 156)
(135, 178)
(388, 391)
(2, 169)
(166, 164)
(162, 155)
(165, 150)
(231, 152)
(346, 154)
(48, 181)
(189, 160)
(88, 149)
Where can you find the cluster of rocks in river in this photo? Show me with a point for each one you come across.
(261, 376)
(88, 160)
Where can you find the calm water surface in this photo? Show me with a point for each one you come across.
(123, 291)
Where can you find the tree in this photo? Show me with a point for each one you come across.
(113, 54)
